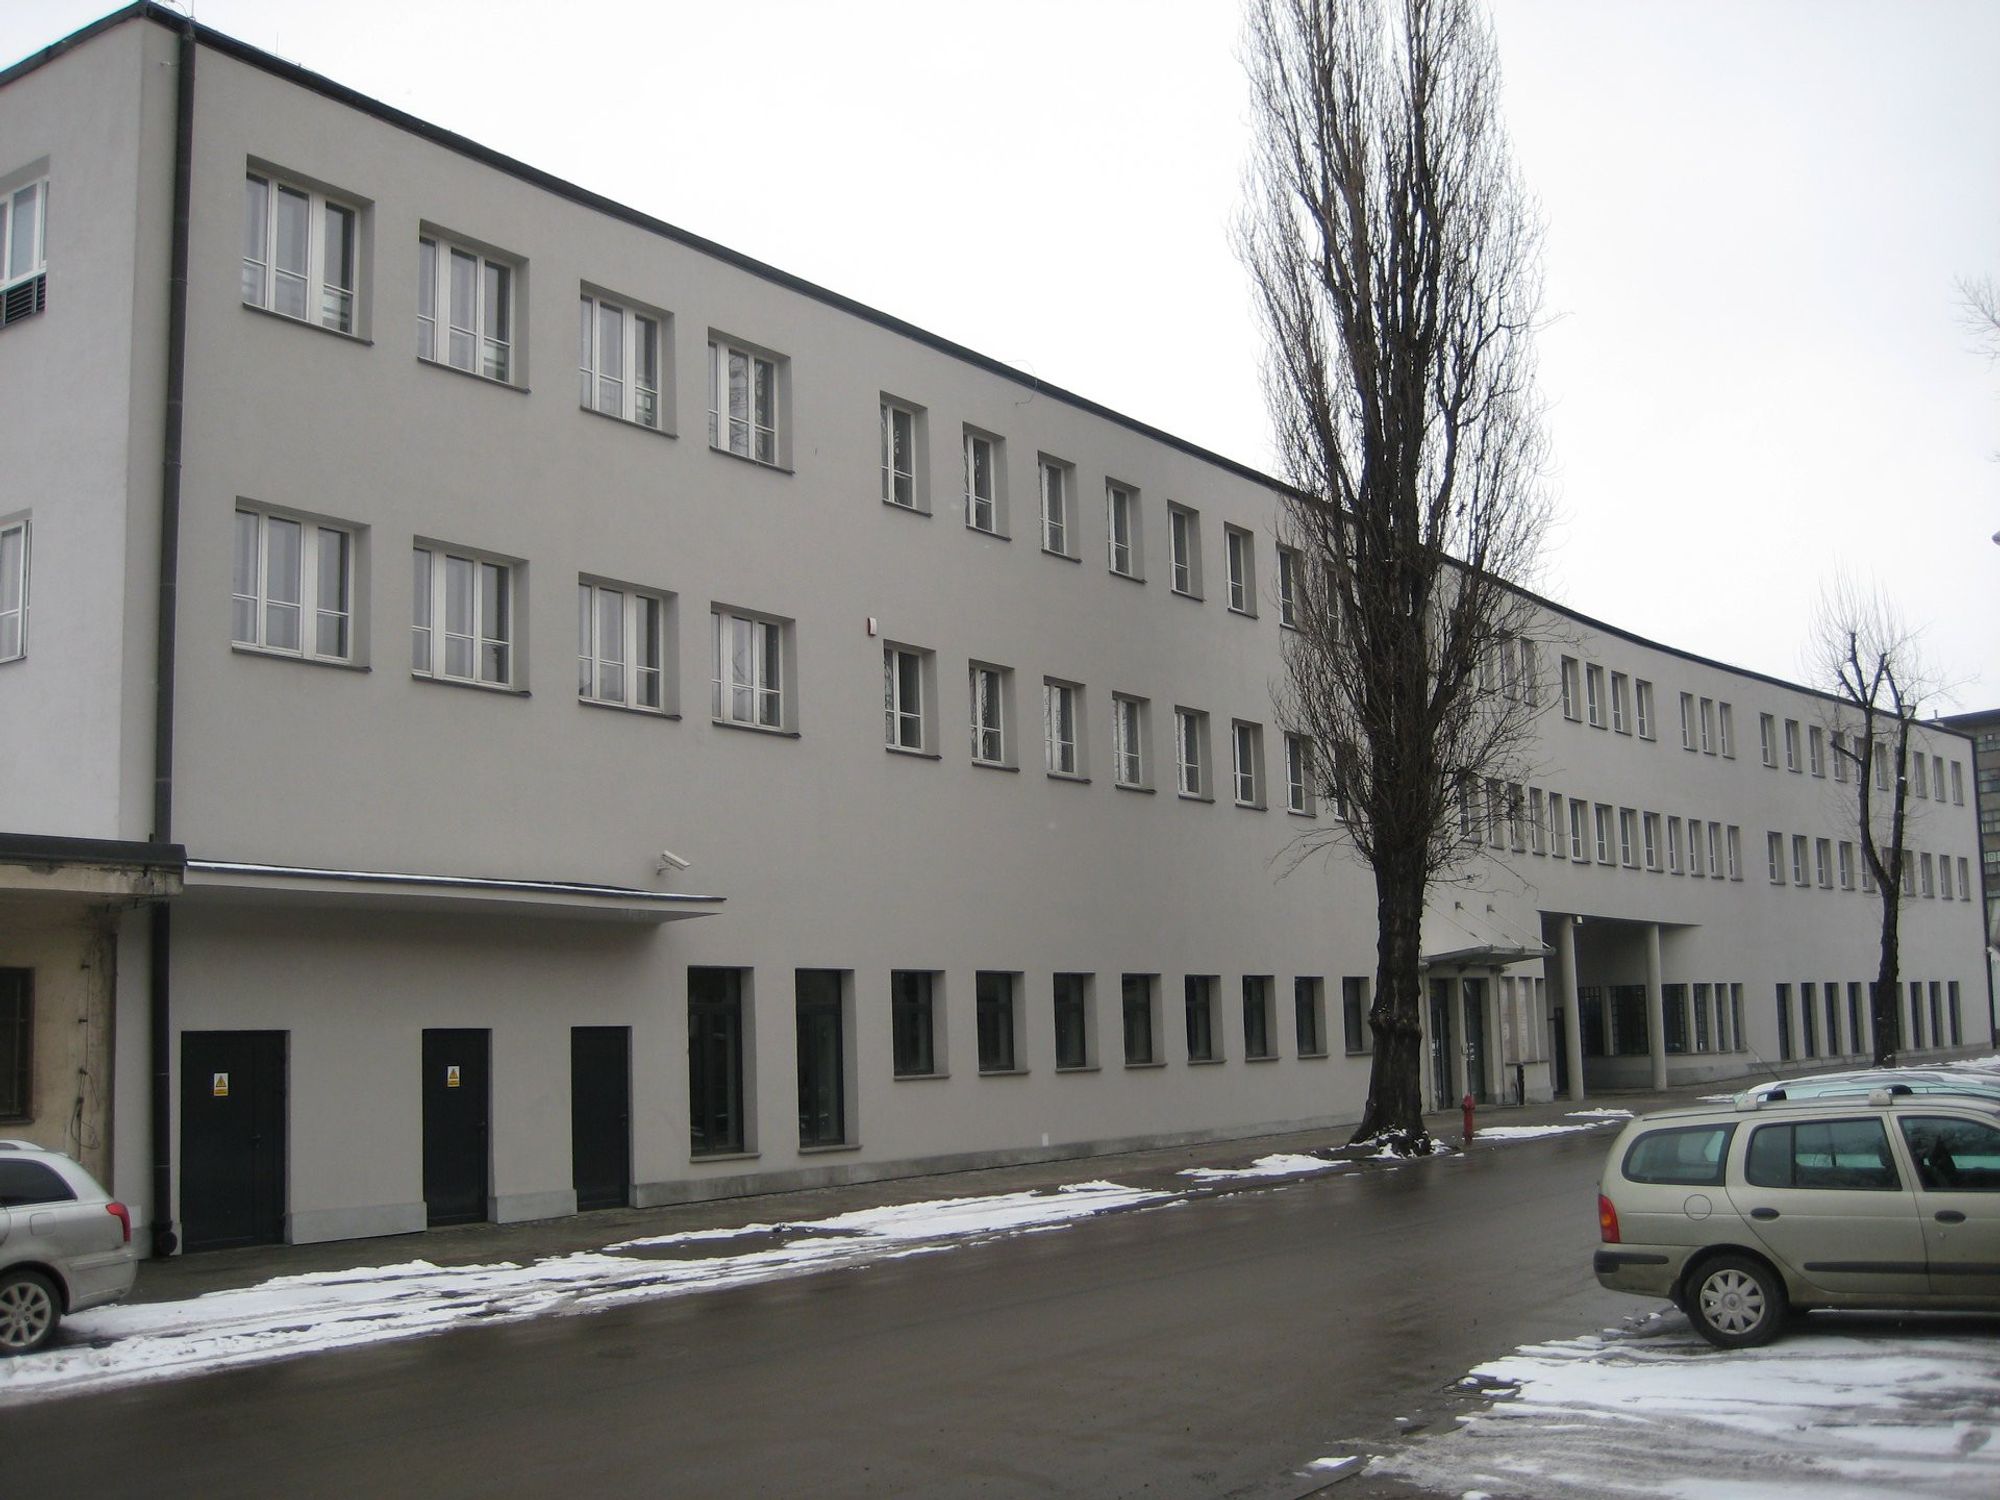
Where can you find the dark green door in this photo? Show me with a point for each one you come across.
(600, 1115)
(456, 1093)
(232, 1138)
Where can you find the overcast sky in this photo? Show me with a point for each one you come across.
(1755, 211)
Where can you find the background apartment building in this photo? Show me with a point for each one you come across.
(525, 709)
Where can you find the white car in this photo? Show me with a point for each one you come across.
(65, 1244)
(1970, 1082)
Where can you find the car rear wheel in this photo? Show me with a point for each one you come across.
(1735, 1302)
(29, 1311)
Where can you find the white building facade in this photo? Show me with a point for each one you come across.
(518, 708)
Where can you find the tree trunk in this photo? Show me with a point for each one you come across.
(1395, 1081)
(1888, 1007)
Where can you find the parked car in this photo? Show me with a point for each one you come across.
(1969, 1081)
(1744, 1212)
(65, 1244)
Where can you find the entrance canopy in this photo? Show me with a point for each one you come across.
(1463, 938)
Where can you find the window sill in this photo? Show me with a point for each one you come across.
(995, 765)
(755, 463)
(1079, 1068)
(1243, 614)
(244, 648)
(766, 730)
(908, 510)
(627, 708)
(1206, 1062)
(1003, 1072)
(922, 1077)
(998, 536)
(1069, 776)
(474, 375)
(703, 1156)
(1192, 598)
(503, 689)
(636, 426)
(1068, 557)
(1355, 1052)
(1193, 797)
(1129, 578)
(1130, 1066)
(1262, 1057)
(345, 338)
(1253, 807)
(1307, 812)
(912, 754)
(1321, 1056)
(1133, 786)
(831, 1149)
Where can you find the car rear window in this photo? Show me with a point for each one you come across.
(23, 1182)
(1687, 1156)
(1822, 1154)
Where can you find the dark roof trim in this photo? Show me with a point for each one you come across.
(57, 849)
(450, 882)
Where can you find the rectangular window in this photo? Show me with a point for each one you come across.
(14, 590)
(1715, 851)
(1725, 725)
(750, 666)
(1774, 850)
(1816, 749)
(618, 360)
(1867, 877)
(1057, 480)
(1241, 557)
(901, 425)
(1628, 836)
(1846, 865)
(1247, 763)
(1536, 825)
(1735, 843)
(1687, 721)
(465, 309)
(1784, 1023)
(291, 591)
(987, 687)
(1121, 529)
(1642, 707)
(17, 1030)
(1621, 720)
(1965, 878)
(1060, 721)
(1204, 1043)
(1798, 859)
(1767, 738)
(1128, 740)
(299, 253)
(1694, 848)
(1673, 846)
(1937, 777)
(982, 482)
(1299, 794)
(1603, 834)
(1289, 576)
(462, 616)
(822, 1055)
(1881, 759)
(1944, 877)
(913, 1022)
(1924, 879)
(1579, 834)
(1593, 694)
(1571, 689)
(1259, 1033)
(1309, 1015)
(1791, 744)
(1191, 751)
(903, 697)
(24, 215)
(744, 400)
(621, 646)
(1356, 1034)
(1650, 827)
(1957, 784)
(1917, 778)
(1139, 1006)
(1184, 550)
(716, 1033)
(999, 1038)
(1823, 862)
(1075, 1021)
(1840, 755)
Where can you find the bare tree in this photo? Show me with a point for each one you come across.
(1871, 662)
(1394, 260)
(1979, 311)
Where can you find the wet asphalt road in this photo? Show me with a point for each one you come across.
(1208, 1349)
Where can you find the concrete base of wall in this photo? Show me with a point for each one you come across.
(512, 1208)
(311, 1226)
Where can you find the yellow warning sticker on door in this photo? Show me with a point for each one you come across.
(221, 1086)
(451, 1076)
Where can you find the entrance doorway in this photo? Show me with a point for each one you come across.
(1441, 1044)
(232, 1138)
(1474, 991)
(600, 1115)
(456, 1095)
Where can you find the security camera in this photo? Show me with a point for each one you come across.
(668, 857)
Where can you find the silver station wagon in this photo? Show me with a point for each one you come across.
(1743, 1213)
(65, 1244)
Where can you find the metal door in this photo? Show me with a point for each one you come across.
(1441, 1034)
(456, 1092)
(232, 1138)
(1474, 991)
(600, 1115)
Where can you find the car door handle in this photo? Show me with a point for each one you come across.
(1763, 1213)
(1949, 1216)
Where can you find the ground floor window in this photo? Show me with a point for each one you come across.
(994, 1002)
(17, 1014)
(1257, 1039)
(1309, 1011)
(1674, 1017)
(1201, 1039)
(1072, 1020)
(1136, 995)
(1628, 1020)
(822, 1059)
(1784, 1023)
(913, 1022)
(715, 1061)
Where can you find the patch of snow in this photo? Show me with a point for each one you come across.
(1527, 1132)
(1333, 1461)
(1600, 1114)
(1281, 1165)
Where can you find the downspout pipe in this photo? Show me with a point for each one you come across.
(160, 983)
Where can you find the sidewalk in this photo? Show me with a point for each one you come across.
(1159, 1169)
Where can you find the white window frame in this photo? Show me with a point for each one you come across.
(982, 494)
(758, 433)
(622, 660)
(905, 720)
(1128, 740)
(1628, 837)
(1774, 854)
(1121, 529)
(623, 393)
(446, 327)
(1602, 813)
(23, 263)
(1062, 722)
(1673, 844)
(1246, 746)
(1057, 482)
(1190, 772)
(14, 576)
(1799, 859)
(1767, 739)
(1687, 721)
(1792, 746)
(1593, 694)
(1823, 863)
(986, 690)
(490, 586)
(900, 450)
(1725, 729)
(1289, 574)
(1184, 550)
(1715, 851)
(257, 603)
(757, 695)
(1572, 688)
(1240, 558)
(1620, 719)
(1579, 831)
(1642, 707)
(1649, 833)
(321, 298)
(1694, 848)
(1299, 795)
(1846, 860)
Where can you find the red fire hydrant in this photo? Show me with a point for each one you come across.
(1466, 1105)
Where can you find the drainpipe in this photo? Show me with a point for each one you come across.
(159, 988)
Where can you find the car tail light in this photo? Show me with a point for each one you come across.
(1607, 1220)
(123, 1215)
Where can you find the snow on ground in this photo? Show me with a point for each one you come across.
(299, 1314)
(1529, 1132)
(1282, 1165)
(1840, 1410)
(1600, 1114)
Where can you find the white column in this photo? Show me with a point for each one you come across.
(1656, 1010)
(1573, 1031)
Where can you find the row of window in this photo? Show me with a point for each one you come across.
(1625, 705)
(719, 1024)
(1820, 861)
(1813, 1028)
(1698, 1017)
(13, 589)
(1528, 820)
